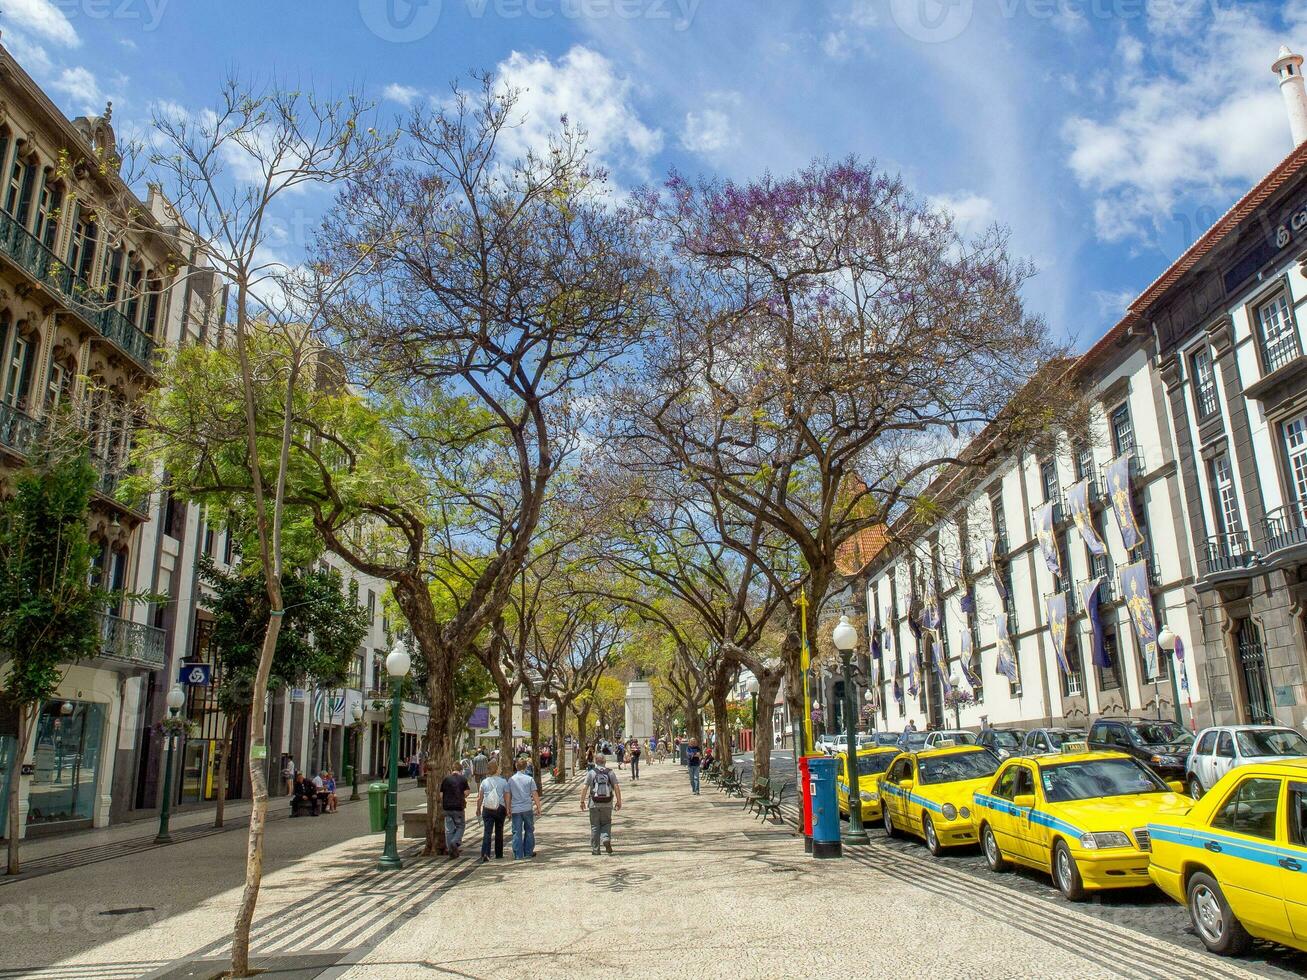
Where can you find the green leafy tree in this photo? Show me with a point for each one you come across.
(49, 605)
(321, 630)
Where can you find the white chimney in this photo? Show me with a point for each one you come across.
(1288, 66)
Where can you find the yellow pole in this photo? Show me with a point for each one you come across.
(804, 663)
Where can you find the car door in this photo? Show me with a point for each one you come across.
(907, 817)
(841, 784)
(1001, 821)
(1024, 828)
(1202, 764)
(892, 799)
(1243, 852)
(1223, 759)
(1293, 865)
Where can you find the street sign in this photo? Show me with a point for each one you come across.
(195, 675)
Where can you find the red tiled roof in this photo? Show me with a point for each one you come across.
(855, 553)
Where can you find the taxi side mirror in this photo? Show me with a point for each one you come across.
(905, 784)
(1025, 801)
(1177, 786)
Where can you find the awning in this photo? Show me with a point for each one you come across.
(494, 733)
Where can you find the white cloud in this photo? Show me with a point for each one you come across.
(30, 54)
(972, 213)
(81, 88)
(711, 128)
(42, 18)
(1112, 303)
(585, 87)
(405, 95)
(1196, 121)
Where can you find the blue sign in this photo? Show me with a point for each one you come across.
(195, 675)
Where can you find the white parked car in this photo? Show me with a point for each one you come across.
(957, 737)
(830, 744)
(1218, 750)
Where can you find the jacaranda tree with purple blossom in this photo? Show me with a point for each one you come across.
(832, 343)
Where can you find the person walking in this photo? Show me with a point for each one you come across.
(635, 760)
(692, 760)
(288, 772)
(480, 764)
(493, 799)
(525, 808)
(604, 796)
(621, 754)
(454, 791)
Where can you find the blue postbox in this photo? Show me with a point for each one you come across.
(825, 808)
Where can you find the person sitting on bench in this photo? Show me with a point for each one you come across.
(305, 798)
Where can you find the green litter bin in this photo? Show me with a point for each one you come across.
(377, 799)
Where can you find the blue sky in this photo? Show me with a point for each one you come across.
(1106, 134)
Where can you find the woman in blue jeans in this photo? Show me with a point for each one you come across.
(492, 807)
(692, 760)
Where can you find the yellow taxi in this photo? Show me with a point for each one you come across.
(872, 761)
(928, 793)
(1080, 815)
(1238, 858)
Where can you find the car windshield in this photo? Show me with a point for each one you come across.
(873, 764)
(1056, 738)
(962, 738)
(1160, 733)
(957, 766)
(1006, 740)
(1098, 777)
(913, 741)
(1271, 741)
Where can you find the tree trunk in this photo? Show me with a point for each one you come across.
(693, 722)
(506, 694)
(560, 750)
(534, 702)
(224, 769)
(769, 682)
(240, 942)
(582, 734)
(722, 718)
(16, 790)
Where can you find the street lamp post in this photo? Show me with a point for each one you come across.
(845, 637)
(1169, 641)
(176, 698)
(397, 665)
(752, 687)
(357, 714)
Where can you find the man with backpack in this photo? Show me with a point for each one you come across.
(604, 796)
(693, 758)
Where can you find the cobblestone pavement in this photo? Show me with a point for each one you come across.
(1144, 910)
(696, 888)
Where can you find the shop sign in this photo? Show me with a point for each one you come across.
(195, 675)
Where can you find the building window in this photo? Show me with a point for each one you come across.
(1223, 493)
(1109, 677)
(81, 248)
(1084, 463)
(113, 275)
(1048, 480)
(1204, 381)
(227, 545)
(17, 368)
(47, 213)
(1073, 680)
(1123, 432)
(1063, 581)
(1276, 333)
(1000, 521)
(1009, 602)
(372, 607)
(1295, 451)
(208, 539)
(18, 194)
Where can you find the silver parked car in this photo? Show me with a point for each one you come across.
(956, 736)
(1218, 750)
(1042, 741)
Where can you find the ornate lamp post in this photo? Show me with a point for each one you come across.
(752, 688)
(176, 698)
(357, 714)
(1169, 641)
(845, 638)
(397, 665)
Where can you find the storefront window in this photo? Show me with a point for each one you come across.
(67, 762)
(7, 745)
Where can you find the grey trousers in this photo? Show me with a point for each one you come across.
(601, 824)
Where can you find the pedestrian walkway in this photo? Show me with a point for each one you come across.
(695, 888)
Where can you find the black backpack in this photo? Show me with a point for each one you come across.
(601, 790)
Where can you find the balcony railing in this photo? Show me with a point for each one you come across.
(133, 643)
(1136, 469)
(1279, 349)
(1228, 552)
(18, 430)
(1285, 526)
(26, 251)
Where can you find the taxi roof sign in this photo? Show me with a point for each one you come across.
(946, 743)
(1074, 748)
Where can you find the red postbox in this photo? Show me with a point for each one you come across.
(805, 794)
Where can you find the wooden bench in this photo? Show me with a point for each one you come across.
(730, 784)
(771, 807)
(759, 795)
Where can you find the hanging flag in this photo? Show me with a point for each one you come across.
(956, 568)
(1077, 499)
(913, 668)
(967, 601)
(938, 652)
(1056, 606)
(1139, 601)
(991, 546)
(898, 692)
(1007, 665)
(1118, 491)
(888, 648)
(930, 611)
(965, 656)
(1089, 599)
(1047, 538)
(875, 641)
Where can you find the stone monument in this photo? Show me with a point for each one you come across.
(639, 710)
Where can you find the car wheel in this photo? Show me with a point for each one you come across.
(1213, 919)
(993, 855)
(1065, 873)
(890, 830)
(932, 838)
(1195, 788)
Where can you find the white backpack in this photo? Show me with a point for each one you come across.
(493, 797)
